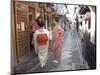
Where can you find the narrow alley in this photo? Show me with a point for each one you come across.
(71, 55)
(76, 22)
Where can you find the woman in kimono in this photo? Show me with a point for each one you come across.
(41, 42)
(35, 26)
(58, 34)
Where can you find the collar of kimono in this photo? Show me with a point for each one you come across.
(41, 29)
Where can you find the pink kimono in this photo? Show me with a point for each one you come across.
(57, 41)
(34, 26)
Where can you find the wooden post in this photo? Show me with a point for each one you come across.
(14, 45)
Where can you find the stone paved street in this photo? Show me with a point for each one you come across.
(71, 57)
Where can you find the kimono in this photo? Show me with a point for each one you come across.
(41, 50)
(34, 28)
(57, 42)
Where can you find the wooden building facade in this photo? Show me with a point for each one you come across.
(23, 14)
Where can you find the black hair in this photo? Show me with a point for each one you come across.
(57, 19)
(40, 21)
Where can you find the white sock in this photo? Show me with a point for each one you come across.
(55, 61)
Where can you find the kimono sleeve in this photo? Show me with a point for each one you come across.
(50, 35)
(35, 42)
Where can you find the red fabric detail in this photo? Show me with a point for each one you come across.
(42, 39)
